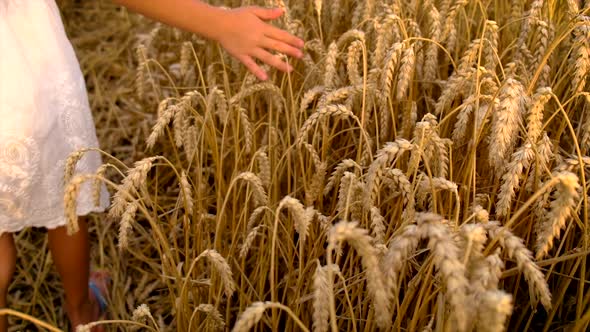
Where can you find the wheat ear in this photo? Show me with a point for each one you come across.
(581, 54)
(321, 295)
(506, 121)
(562, 207)
(494, 311)
(301, 216)
(401, 247)
(222, 267)
(126, 224)
(446, 257)
(359, 239)
(252, 234)
(330, 110)
(334, 179)
(384, 157)
(135, 178)
(260, 196)
(539, 290)
(70, 201)
(214, 320)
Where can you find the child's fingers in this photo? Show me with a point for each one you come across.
(279, 46)
(253, 67)
(267, 14)
(272, 60)
(284, 36)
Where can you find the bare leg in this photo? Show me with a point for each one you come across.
(71, 255)
(7, 268)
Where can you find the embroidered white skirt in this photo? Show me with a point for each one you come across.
(44, 116)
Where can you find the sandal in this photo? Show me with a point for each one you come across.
(98, 285)
(97, 293)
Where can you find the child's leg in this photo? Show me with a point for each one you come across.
(71, 255)
(7, 267)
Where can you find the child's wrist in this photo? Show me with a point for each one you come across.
(216, 23)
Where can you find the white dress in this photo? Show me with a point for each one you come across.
(44, 116)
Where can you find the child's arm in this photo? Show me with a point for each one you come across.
(242, 32)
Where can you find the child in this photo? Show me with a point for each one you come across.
(45, 116)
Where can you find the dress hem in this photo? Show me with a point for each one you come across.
(59, 221)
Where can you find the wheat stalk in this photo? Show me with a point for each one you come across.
(535, 114)
(449, 34)
(485, 273)
(97, 185)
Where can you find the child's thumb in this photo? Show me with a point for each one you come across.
(268, 14)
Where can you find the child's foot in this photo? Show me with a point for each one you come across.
(98, 287)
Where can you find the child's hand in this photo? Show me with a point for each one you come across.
(245, 35)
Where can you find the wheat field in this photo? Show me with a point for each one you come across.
(423, 169)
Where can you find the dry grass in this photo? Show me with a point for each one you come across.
(403, 177)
